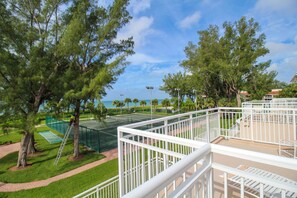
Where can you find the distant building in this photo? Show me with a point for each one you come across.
(294, 79)
(272, 94)
(244, 95)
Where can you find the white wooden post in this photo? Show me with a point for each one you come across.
(219, 121)
(294, 125)
(121, 164)
(241, 187)
(166, 144)
(210, 176)
(252, 126)
(207, 127)
(191, 127)
(225, 185)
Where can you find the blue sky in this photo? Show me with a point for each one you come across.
(162, 28)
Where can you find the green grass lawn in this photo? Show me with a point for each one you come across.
(73, 185)
(12, 137)
(42, 165)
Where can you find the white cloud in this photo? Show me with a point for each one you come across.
(284, 59)
(140, 58)
(140, 5)
(139, 28)
(284, 7)
(156, 70)
(278, 22)
(161, 72)
(280, 50)
(190, 20)
(147, 73)
(277, 18)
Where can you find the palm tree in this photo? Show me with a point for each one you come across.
(189, 105)
(155, 102)
(143, 103)
(209, 103)
(121, 104)
(115, 103)
(166, 103)
(199, 102)
(127, 101)
(135, 101)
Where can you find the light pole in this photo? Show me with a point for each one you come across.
(151, 90)
(177, 89)
(122, 104)
(195, 93)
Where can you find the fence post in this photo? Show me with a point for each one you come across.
(252, 126)
(207, 127)
(210, 177)
(294, 126)
(166, 143)
(219, 121)
(121, 164)
(98, 140)
(191, 127)
(97, 192)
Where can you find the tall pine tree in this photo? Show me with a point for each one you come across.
(225, 65)
(29, 65)
(96, 57)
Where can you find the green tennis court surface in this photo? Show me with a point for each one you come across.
(111, 123)
(99, 136)
(50, 137)
(107, 129)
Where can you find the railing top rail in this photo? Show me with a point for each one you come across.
(171, 139)
(157, 183)
(258, 108)
(271, 101)
(264, 158)
(271, 104)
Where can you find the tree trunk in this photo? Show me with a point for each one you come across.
(22, 159)
(238, 99)
(76, 131)
(31, 145)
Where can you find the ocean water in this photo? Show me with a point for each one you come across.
(108, 104)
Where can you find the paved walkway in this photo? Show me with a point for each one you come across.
(10, 148)
(11, 187)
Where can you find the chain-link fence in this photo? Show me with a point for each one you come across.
(92, 138)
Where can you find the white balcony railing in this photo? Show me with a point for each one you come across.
(178, 167)
(108, 188)
(274, 103)
(254, 124)
(171, 156)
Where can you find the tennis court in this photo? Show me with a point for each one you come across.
(50, 137)
(106, 131)
(99, 136)
(112, 122)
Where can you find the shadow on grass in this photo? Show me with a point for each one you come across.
(44, 160)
